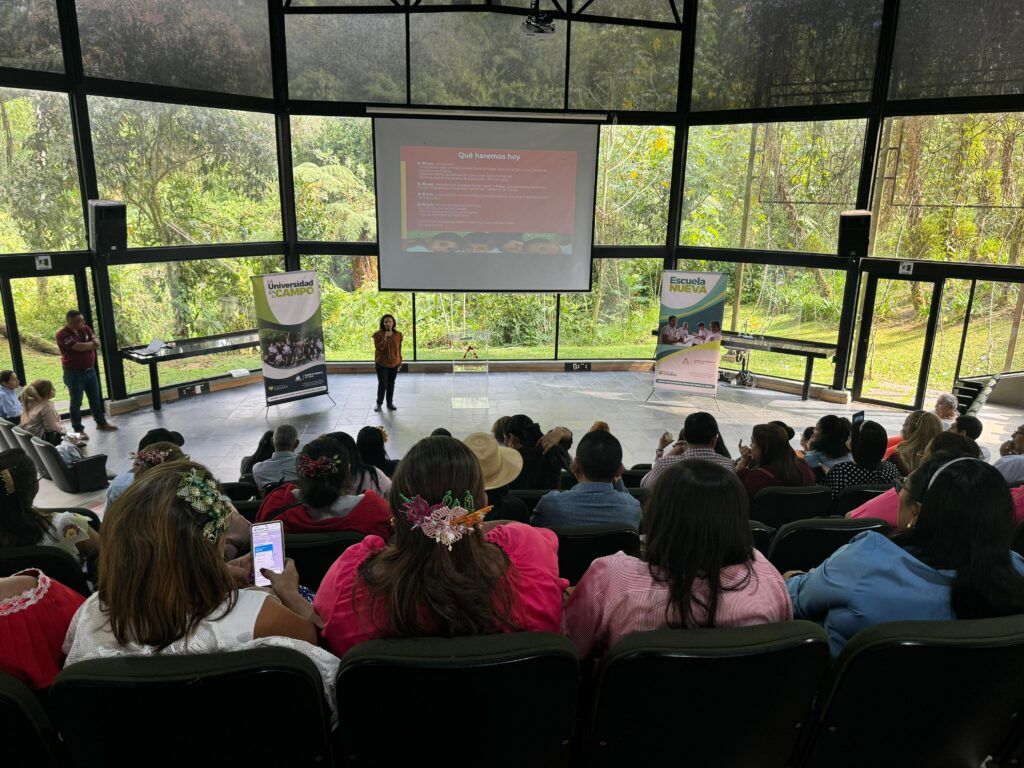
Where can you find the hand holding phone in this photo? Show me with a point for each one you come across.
(267, 550)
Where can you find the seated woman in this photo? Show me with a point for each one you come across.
(699, 568)
(500, 466)
(35, 612)
(323, 500)
(21, 525)
(365, 477)
(828, 443)
(370, 444)
(443, 573)
(867, 467)
(951, 559)
(38, 414)
(919, 429)
(545, 457)
(770, 462)
(164, 586)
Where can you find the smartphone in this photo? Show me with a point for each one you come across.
(858, 417)
(267, 550)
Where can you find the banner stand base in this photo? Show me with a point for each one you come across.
(268, 406)
(713, 397)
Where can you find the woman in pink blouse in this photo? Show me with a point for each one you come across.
(700, 568)
(443, 573)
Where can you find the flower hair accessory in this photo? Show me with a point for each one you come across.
(446, 522)
(151, 456)
(325, 465)
(203, 496)
(8, 481)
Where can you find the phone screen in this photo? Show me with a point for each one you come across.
(858, 417)
(267, 550)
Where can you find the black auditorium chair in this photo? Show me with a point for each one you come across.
(716, 698)
(530, 497)
(261, 706)
(7, 438)
(26, 733)
(631, 477)
(942, 694)
(1018, 540)
(854, 496)
(639, 493)
(54, 562)
(805, 544)
(24, 440)
(644, 467)
(248, 509)
(567, 481)
(88, 474)
(580, 545)
(239, 491)
(762, 536)
(489, 700)
(315, 553)
(776, 506)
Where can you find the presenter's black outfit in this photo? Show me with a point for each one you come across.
(388, 359)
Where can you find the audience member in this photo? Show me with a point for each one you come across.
(770, 462)
(280, 467)
(38, 415)
(164, 587)
(440, 432)
(828, 443)
(919, 429)
(699, 567)
(443, 573)
(498, 428)
(323, 501)
(365, 477)
(805, 442)
(1011, 458)
(867, 467)
(788, 430)
(970, 427)
(264, 450)
(500, 466)
(946, 406)
(35, 612)
(21, 525)
(121, 481)
(697, 440)
(952, 559)
(545, 456)
(599, 425)
(371, 441)
(593, 500)
(10, 405)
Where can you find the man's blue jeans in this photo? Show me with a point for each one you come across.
(87, 382)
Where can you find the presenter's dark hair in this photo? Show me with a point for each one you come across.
(394, 323)
(672, 317)
(72, 313)
(700, 428)
(599, 454)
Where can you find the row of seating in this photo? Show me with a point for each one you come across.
(88, 474)
(937, 694)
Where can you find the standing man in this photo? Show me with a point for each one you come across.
(10, 405)
(78, 345)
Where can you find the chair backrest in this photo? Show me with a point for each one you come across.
(567, 481)
(1018, 540)
(315, 553)
(404, 702)
(240, 491)
(805, 544)
(7, 438)
(644, 467)
(529, 496)
(762, 536)
(631, 477)
(54, 562)
(776, 506)
(55, 467)
(639, 493)
(854, 496)
(27, 735)
(24, 440)
(952, 691)
(580, 545)
(212, 702)
(248, 509)
(707, 697)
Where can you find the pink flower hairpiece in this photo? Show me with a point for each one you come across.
(151, 456)
(325, 465)
(445, 522)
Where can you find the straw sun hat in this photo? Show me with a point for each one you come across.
(500, 465)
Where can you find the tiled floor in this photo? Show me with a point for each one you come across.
(222, 427)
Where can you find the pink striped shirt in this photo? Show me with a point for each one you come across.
(617, 596)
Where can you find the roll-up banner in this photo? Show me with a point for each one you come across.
(291, 335)
(690, 331)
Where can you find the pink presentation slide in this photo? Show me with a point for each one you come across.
(488, 200)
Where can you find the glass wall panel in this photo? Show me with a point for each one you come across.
(346, 57)
(219, 45)
(333, 171)
(773, 53)
(949, 330)
(634, 175)
(188, 174)
(485, 60)
(776, 186)
(40, 201)
(648, 10)
(953, 48)
(30, 35)
(616, 318)
(196, 298)
(353, 306)
(995, 338)
(615, 66)
(949, 188)
(896, 341)
(500, 326)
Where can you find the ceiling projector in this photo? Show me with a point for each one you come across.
(538, 22)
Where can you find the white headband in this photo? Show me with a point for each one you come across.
(948, 463)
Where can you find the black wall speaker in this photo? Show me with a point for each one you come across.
(108, 226)
(854, 231)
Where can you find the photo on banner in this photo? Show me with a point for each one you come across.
(291, 330)
(690, 331)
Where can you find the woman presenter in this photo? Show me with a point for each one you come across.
(387, 346)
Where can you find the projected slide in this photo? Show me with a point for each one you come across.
(481, 206)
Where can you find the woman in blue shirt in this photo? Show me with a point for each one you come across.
(829, 442)
(951, 559)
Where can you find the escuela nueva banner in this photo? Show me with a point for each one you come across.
(291, 335)
(690, 331)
